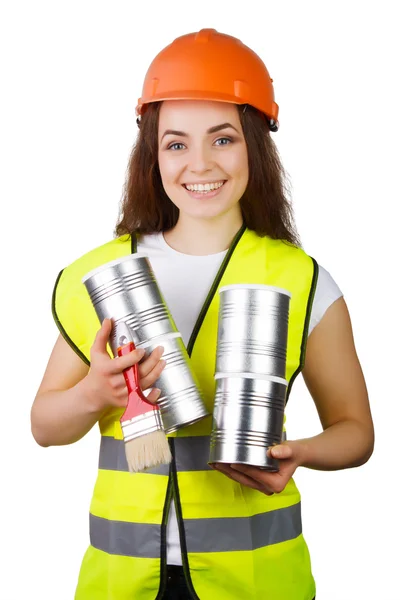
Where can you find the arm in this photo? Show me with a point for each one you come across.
(72, 397)
(334, 378)
(62, 411)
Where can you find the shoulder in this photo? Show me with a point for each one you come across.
(326, 293)
(111, 250)
(327, 290)
(327, 284)
(300, 266)
(70, 277)
(287, 251)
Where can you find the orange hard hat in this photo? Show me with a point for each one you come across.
(209, 65)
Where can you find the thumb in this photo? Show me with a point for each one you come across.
(102, 337)
(281, 451)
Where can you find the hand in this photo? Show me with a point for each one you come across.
(290, 457)
(105, 381)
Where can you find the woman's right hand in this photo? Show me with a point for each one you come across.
(105, 380)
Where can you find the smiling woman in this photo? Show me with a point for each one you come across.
(205, 200)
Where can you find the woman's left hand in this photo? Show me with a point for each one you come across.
(289, 455)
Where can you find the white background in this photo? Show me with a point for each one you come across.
(71, 74)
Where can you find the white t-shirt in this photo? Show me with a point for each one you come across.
(185, 281)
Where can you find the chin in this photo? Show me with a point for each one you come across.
(207, 214)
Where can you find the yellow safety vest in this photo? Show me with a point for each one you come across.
(237, 543)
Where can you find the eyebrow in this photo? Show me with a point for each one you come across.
(209, 131)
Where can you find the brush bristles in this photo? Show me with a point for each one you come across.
(147, 451)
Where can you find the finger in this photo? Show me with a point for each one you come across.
(151, 361)
(281, 451)
(99, 345)
(237, 476)
(120, 363)
(153, 395)
(151, 378)
(254, 472)
(248, 470)
(264, 479)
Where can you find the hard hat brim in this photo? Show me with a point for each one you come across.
(201, 95)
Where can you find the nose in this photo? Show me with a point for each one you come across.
(200, 160)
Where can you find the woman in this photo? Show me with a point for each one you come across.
(205, 200)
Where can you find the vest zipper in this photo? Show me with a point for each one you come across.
(163, 547)
(173, 477)
(192, 340)
(178, 509)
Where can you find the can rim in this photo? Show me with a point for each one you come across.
(244, 375)
(112, 263)
(255, 286)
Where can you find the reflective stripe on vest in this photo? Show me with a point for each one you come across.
(202, 535)
(192, 455)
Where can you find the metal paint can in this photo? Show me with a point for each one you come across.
(253, 330)
(126, 290)
(180, 401)
(247, 419)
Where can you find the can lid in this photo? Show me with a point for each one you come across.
(112, 263)
(251, 376)
(255, 286)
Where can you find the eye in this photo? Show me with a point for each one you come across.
(174, 146)
(224, 141)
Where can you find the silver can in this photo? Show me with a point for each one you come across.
(126, 290)
(247, 419)
(181, 402)
(253, 330)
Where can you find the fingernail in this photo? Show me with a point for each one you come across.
(277, 452)
(163, 362)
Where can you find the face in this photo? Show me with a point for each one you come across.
(202, 157)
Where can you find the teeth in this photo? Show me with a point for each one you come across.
(206, 187)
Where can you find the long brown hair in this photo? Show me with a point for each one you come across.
(266, 209)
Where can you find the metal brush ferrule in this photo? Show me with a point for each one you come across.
(149, 422)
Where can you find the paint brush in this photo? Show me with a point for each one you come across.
(146, 444)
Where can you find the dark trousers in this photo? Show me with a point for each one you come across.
(176, 585)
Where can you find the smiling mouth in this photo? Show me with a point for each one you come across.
(204, 188)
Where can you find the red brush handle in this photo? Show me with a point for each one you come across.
(137, 401)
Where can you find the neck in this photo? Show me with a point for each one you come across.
(200, 237)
